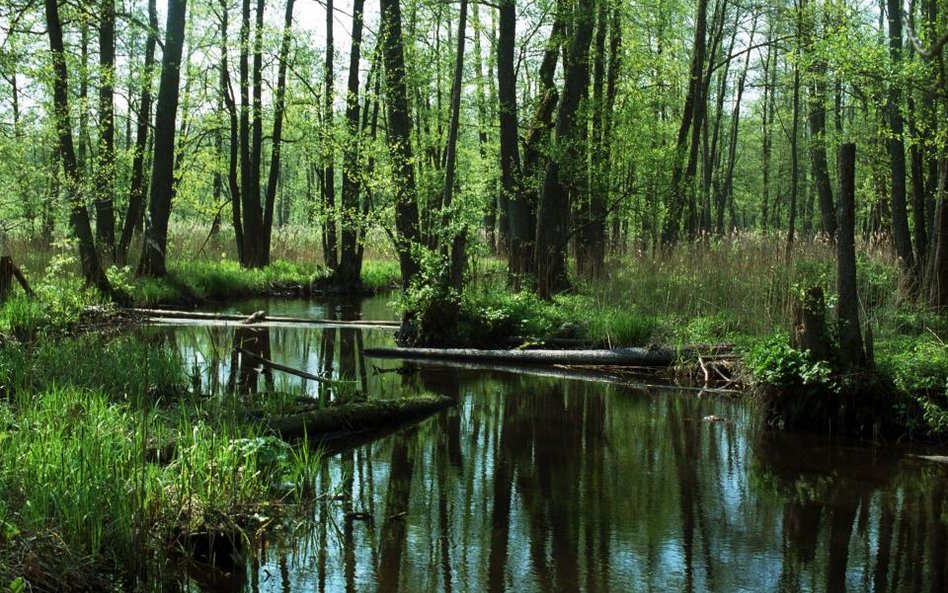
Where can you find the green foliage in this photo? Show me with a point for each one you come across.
(919, 368)
(774, 363)
(610, 324)
(491, 314)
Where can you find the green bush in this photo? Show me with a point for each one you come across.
(775, 363)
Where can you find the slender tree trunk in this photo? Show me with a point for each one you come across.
(234, 145)
(816, 110)
(136, 194)
(399, 141)
(483, 121)
(794, 160)
(591, 238)
(561, 172)
(279, 107)
(254, 253)
(348, 273)
(511, 197)
(454, 242)
(900, 227)
(728, 186)
(770, 87)
(105, 170)
(331, 254)
(677, 197)
(850, 334)
(153, 257)
(78, 215)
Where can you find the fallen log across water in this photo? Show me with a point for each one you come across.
(618, 357)
(258, 319)
(336, 424)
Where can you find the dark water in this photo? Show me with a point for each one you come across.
(555, 484)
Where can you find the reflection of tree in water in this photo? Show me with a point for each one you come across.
(844, 510)
(244, 370)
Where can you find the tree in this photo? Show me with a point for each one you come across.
(105, 173)
(136, 195)
(78, 215)
(349, 271)
(408, 235)
(564, 170)
(154, 250)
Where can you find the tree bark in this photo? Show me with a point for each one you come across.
(900, 226)
(153, 259)
(136, 194)
(348, 273)
(850, 335)
(279, 107)
(561, 172)
(519, 234)
(677, 196)
(78, 215)
(399, 141)
(105, 170)
(816, 111)
(330, 251)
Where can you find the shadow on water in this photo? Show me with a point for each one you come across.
(535, 484)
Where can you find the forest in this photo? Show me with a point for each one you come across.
(247, 247)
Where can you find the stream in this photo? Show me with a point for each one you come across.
(557, 483)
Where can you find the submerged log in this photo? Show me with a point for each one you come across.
(336, 422)
(642, 357)
(282, 367)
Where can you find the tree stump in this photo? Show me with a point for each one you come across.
(809, 324)
(8, 272)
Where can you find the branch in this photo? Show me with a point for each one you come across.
(918, 45)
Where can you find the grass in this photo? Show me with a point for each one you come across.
(77, 415)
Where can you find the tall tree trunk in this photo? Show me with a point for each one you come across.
(483, 121)
(454, 242)
(254, 254)
(727, 191)
(512, 199)
(136, 194)
(329, 167)
(234, 152)
(794, 160)
(770, 89)
(850, 334)
(78, 215)
(563, 172)
(591, 237)
(677, 197)
(399, 141)
(105, 170)
(279, 106)
(535, 149)
(153, 261)
(900, 227)
(349, 272)
(615, 63)
(816, 111)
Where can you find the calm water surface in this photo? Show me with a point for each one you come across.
(536, 484)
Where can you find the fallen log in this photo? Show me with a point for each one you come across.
(355, 422)
(345, 421)
(641, 357)
(260, 318)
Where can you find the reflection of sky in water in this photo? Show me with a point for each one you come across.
(540, 484)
